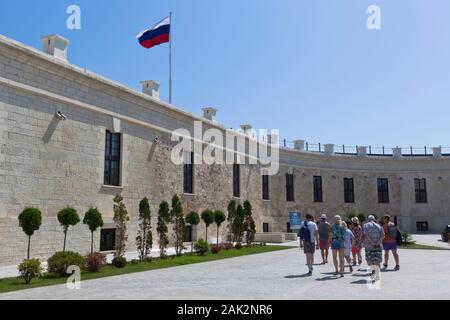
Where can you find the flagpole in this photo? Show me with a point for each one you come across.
(170, 60)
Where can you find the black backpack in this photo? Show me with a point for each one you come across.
(399, 237)
(305, 234)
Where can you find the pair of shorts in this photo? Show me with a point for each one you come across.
(390, 246)
(337, 245)
(324, 245)
(356, 250)
(374, 255)
(309, 247)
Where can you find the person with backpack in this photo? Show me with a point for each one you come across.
(373, 235)
(309, 237)
(338, 245)
(324, 238)
(390, 242)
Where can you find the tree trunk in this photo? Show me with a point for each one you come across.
(65, 237)
(206, 234)
(28, 251)
(92, 242)
(192, 240)
(218, 235)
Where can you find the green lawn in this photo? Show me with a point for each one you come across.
(421, 247)
(14, 284)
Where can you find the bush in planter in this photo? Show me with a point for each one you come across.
(201, 247)
(94, 261)
(215, 249)
(238, 246)
(60, 261)
(119, 262)
(30, 269)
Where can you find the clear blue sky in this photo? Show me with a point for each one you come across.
(309, 68)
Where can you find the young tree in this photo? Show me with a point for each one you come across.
(68, 217)
(93, 219)
(193, 219)
(238, 224)
(177, 218)
(144, 239)
(231, 215)
(249, 223)
(163, 220)
(219, 218)
(120, 219)
(30, 219)
(208, 219)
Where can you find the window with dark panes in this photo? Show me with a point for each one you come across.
(349, 192)
(265, 187)
(420, 186)
(383, 190)
(188, 173)
(289, 187)
(265, 227)
(317, 182)
(236, 180)
(112, 159)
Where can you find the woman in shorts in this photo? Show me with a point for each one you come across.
(337, 245)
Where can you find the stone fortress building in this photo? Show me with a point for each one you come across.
(69, 137)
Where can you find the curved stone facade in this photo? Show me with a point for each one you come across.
(50, 163)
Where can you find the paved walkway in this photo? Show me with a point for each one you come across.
(275, 275)
(430, 240)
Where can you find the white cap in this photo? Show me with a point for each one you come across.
(324, 216)
(371, 218)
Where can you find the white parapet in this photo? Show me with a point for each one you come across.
(397, 152)
(361, 151)
(437, 152)
(329, 148)
(151, 88)
(56, 46)
(299, 144)
(210, 113)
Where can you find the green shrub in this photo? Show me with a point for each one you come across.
(407, 239)
(30, 269)
(119, 262)
(95, 261)
(201, 247)
(60, 261)
(361, 217)
(135, 261)
(68, 217)
(30, 220)
(238, 246)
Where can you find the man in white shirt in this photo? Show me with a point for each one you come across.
(309, 241)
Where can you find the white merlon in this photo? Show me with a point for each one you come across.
(397, 152)
(116, 125)
(273, 138)
(210, 113)
(437, 152)
(151, 88)
(56, 46)
(299, 144)
(329, 148)
(361, 151)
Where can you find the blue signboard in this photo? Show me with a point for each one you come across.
(296, 220)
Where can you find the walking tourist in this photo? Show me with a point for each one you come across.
(390, 242)
(373, 236)
(357, 244)
(337, 245)
(348, 244)
(308, 236)
(324, 238)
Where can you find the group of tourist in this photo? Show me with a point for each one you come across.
(347, 240)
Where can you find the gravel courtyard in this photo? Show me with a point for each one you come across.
(277, 275)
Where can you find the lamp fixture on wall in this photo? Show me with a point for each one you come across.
(61, 116)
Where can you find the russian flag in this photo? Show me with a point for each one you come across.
(155, 36)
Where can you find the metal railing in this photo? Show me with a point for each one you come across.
(410, 151)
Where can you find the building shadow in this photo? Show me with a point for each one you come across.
(50, 130)
(306, 275)
(151, 154)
